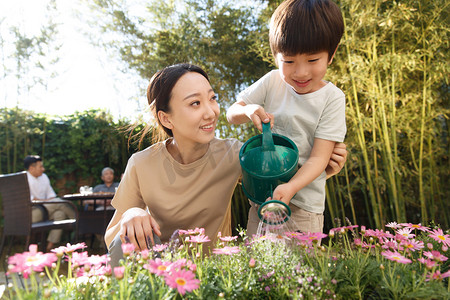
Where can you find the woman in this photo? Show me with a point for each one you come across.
(187, 180)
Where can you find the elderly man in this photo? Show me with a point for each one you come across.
(40, 189)
(108, 186)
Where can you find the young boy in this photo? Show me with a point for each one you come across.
(304, 35)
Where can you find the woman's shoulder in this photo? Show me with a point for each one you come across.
(149, 152)
(225, 143)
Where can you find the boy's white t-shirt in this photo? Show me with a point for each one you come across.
(302, 118)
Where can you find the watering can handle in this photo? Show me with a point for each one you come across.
(267, 139)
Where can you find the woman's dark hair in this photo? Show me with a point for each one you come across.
(159, 92)
(306, 26)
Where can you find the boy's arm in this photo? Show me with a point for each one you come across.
(337, 159)
(240, 113)
(311, 169)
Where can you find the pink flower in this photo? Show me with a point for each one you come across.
(395, 256)
(198, 239)
(378, 233)
(439, 236)
(145, 253)
(435, 255)
(97, 260)
(252, 263)
(127, 249)
(192, 231)
(79, 259)
(226, 250)
(157, 266)
(412, 244)
(390, 244)
(119, 271)
(32, 261)
(159, 247)
(293, 234)
(393, 225)
(416, 226)
(191, 266)
(438, 276)
(344, 229)
(228, 238)
(312, 237)
(69, 248)
(427, 262)
(183, 280)
(178, 264)
(404, 233)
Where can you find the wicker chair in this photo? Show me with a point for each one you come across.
(15, 195)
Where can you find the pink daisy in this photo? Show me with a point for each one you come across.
(438, 276)
(69, 248)
(119, 272)
(228, 238)
(378, 233)
(159, 247)
(198, 239)
(404, 233)
(157, 266)
(427, 262)
(79, 259)
(439, 236)
(344, 229)
(312, 237)
(127, 249)
(416, 226)
(31, 261)
(395, 256)
(182, 280)
(393, 225)
(412, 244)
(226, 250)
(97, 260)
(435, 255)
(192, 231)
(390, 244)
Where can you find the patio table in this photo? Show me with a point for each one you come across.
(92, 221)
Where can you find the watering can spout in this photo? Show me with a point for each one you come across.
(274, 212)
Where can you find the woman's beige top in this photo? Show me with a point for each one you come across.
(183, 196)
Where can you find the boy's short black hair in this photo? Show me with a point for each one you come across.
(31, 159)
(306, 26)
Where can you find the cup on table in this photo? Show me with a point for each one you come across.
(85, 190)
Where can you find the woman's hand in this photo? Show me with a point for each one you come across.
(136, 227)
(337, 160)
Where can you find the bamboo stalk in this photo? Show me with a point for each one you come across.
(360, 134)
(423, 203)
(349, 195)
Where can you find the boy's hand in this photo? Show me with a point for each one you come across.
(283, 193)
(258, 115)
(337, 160)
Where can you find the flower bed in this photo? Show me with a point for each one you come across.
(409, 261)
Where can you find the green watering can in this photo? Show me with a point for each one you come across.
(267, 160)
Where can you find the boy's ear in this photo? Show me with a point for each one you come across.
(164, 119)
(332, 56)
